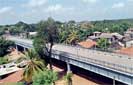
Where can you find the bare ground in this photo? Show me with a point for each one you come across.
(76, 79)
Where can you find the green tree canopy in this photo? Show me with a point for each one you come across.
(103, 43)
(68, 78)
(3, 60)
(46, 77)
(35, 64)
(4, 46)
(46, 37)
(72, 38)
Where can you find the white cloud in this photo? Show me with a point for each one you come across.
(118, 5)
(5, 10)
(35, 3)
(54, 8)
(58, 8)
(90, 1)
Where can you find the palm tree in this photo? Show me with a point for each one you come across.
(68, 78)
(103, 43)
(72, 37)
(34, 65)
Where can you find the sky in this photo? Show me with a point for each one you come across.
(32, 11)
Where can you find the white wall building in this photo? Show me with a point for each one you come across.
(129, 43)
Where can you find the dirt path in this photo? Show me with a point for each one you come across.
(14, 55)
(76, 79)
(13, 77)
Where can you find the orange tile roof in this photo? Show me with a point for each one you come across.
(127, 51)
(87, 44)
(12, 78)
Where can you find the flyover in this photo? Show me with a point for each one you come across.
(115, 66)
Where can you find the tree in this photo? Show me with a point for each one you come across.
(2, 31)
(47, 36)
(103, 43)
(4, 46)
(21, 27)
(39, 45)
(63, 36)
(72, 38)
(68, 78)
(3, 60)
(34, 65)
(46, 77)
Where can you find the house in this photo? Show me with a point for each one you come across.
(129, 43)
(128, 40)
(111, 37)
(32, 33)
(27, 34)
(115, 39)
(118, 36)
(129, 34)
(23, 35)
(87, 44)
(107, 36)
(95, 35)
(130, 29)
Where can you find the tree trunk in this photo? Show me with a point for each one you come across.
(53, 83)
(70, 82)
(50, 60)
(50, 63)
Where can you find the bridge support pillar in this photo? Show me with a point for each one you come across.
(68, 68)
(24, 49)
(17, 48)
(114, 80)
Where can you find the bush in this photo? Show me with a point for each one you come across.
(4, 46)
(3, 60)
(46, 77)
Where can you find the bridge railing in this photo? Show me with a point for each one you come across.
(98, 50)
(100, 63)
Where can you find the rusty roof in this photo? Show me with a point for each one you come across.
(127, 51)
(87, 44)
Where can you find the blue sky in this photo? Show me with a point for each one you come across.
(32, 11)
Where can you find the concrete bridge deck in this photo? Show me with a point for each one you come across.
(116, 59)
